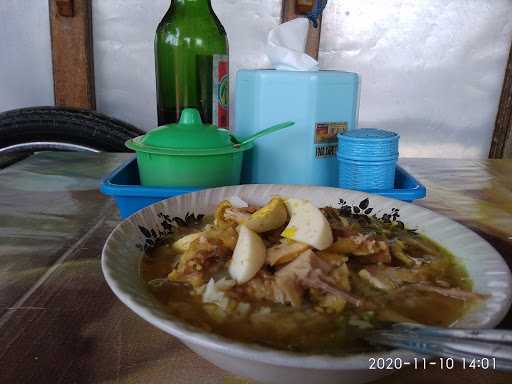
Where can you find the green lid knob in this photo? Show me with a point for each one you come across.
(190, 116)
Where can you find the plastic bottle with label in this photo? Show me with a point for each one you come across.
(192, 63)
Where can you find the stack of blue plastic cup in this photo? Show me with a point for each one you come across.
(367, 159)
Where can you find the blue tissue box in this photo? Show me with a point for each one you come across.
(322, 104)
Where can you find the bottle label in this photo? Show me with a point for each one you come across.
(220, 97)
(326, 142)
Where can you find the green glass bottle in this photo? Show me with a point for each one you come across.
(192, 63)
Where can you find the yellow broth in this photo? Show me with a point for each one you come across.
(304, 329)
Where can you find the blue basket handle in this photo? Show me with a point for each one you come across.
(316, 12)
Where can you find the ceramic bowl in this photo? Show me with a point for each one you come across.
(126, 245)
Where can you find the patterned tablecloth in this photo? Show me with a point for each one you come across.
(59, 322)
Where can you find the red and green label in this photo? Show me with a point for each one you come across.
(220, 91)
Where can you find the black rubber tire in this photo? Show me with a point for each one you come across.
(65, 125)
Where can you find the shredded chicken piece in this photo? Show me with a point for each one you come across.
(289, 283)
(374, 281)
(262, 287)
(387, 278)
(236, 215)
(289, 289)
(454, 293)
(397, 249)
(336, 259)
(396, 276)
(316, 280)
(443, 283)
(360, 239)
(227, 216)
(228, 236)
(302, 266)
(308, 270)
(381, 255)
(343, 245)
(214, 295)
(340, 275)
(331, 303)
(362, 245)
(225, 284)
(285, 252)
(201, 256)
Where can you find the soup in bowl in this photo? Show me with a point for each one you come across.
(281, 283)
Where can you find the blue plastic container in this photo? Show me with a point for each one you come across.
(124, 186)
(321, 103)
(366, 175)
(367, 159)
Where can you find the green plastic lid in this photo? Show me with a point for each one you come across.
(188, 137)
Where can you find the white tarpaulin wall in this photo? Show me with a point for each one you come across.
(431, 70)
(25, 54)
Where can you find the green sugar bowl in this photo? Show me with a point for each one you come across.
(192, 154)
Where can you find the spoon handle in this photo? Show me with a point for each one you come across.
(267, 131)
(497, 335)
(459, 344)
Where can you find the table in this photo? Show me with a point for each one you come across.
(60, 323)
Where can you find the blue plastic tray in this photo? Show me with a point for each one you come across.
(407, 188)
(124, 186)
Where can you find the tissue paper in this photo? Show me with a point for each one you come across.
(287, 45)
